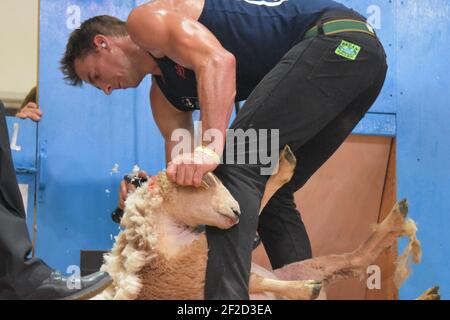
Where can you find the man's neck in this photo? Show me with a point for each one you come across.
(139, 57)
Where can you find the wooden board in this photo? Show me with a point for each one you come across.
(342, 200)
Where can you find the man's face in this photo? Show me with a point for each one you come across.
(108, 68)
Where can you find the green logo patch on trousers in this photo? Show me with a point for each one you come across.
(348, 50)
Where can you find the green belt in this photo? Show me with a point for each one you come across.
(341, 25)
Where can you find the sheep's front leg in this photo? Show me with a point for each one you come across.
(293, 290)
(354, 265)
(284, 171)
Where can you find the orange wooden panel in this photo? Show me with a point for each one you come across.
(388, 290)
(341, 201)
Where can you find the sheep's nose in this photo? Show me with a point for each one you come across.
(236, 214)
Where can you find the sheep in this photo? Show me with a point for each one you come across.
(162, 253)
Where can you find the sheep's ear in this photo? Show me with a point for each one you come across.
(209, 180)
(204, 185)
(217, 180)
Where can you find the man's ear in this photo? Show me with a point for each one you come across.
(101, 42)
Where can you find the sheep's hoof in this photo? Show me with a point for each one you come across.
(289, 156)
(430, 294)
(303, 290)
(313, 289)
(396, 218)
(316, 288)
(403, 207)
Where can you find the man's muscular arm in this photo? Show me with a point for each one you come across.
(190, 44)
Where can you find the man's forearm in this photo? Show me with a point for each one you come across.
(169, 146)
(217, 91)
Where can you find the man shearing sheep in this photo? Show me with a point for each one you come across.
(308, 68)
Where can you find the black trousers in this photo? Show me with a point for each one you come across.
(19, 275)
(315, 98)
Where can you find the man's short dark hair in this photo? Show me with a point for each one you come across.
(81, 43)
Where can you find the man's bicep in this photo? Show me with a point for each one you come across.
(166, 116)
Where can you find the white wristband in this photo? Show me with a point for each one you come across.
(209, 152)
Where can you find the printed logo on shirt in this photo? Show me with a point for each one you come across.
(181, 72)
(266, 3)
(190, 102)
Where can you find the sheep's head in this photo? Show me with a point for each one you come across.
(212, 204)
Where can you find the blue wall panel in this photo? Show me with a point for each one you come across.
(82, 137)
(423, 115)
(23, 136)
(377, 124)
